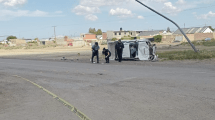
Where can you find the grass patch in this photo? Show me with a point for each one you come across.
(201, 42)
(130, 38)
(187, 55)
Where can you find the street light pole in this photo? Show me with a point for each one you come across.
(54, 32)
(172, 22)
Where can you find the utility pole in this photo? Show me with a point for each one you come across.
(54, 32)
(173, 23)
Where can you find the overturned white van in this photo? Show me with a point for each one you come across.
(135, 49)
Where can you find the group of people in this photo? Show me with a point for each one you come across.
(118, 47)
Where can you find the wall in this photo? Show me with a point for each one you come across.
(202, 36)
(142, 37)
(61, 41)
(109, 35)
(90, 37)
(168, 38)
(78, 43)
(104, 36)
(190, 36)
(17, 42)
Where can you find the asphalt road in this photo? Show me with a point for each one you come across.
(107, 92)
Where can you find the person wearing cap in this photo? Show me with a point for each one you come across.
(107, 54)
(119, 48)
(95, 52)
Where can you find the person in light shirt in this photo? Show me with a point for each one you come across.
(95, 52)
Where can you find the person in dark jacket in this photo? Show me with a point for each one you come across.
(107, 54)
(95, 52)
(119, 48)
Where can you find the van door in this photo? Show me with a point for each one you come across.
(143, 51)
(126, 50)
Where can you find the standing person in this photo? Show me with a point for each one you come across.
(119, 48)
(95, 51)
(107, 54)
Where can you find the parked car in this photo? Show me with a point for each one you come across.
(207, 39)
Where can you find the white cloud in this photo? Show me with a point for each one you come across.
(140, 17)
(87, 12)
(170, 9)
(205, 16)
(91, 17)
(8, 14)
(12, 3)
(181, 2)
(84, 10)
(99, 3)
(121, 12)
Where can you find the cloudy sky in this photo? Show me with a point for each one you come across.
(35, 18)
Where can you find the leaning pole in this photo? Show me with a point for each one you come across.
(172, 22)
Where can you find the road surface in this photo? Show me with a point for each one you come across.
(107, 92)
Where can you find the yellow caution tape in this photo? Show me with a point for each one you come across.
(81, 115)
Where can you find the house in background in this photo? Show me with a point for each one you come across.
(151, 34)
(64, 41)
(29, 40)
(4, 42)
(194, 33)
(117, 34)
(99, 37)
(104, 36)
(89, 37)
(123, 34)
(17, 42)
(193, 30)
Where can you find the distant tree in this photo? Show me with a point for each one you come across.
(168, 30)
(11, 37)
(157, 38)
(99, 32)
(93, 31)
(211, 28)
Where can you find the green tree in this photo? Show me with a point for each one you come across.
(157, 38)
(11, 37)
(99, 32)
(92, 30)
(211, 28)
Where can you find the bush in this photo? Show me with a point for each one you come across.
(11, 37)
(157, 38)
(114, 39)
(104, 43)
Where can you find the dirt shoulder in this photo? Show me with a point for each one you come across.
(50, 50)
(83, 55)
